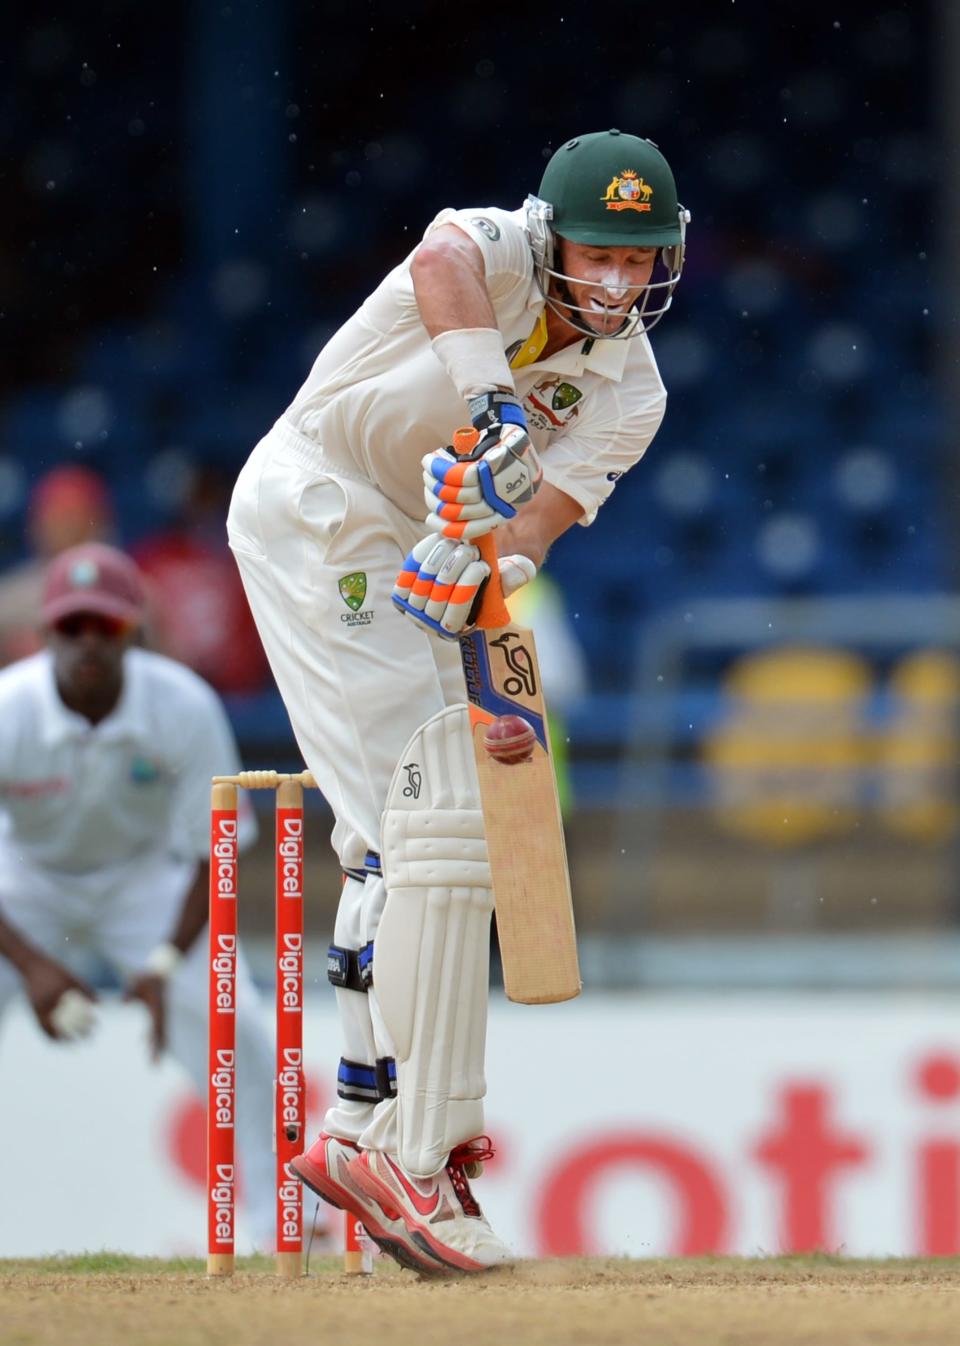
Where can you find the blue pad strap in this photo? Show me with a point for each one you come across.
(357, 1082)
(365, 965)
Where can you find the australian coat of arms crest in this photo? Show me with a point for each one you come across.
(627, 191)
(553, 404)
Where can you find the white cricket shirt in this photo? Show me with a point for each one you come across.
(377, 398)
(78, 798)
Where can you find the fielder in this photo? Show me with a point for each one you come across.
(533, 325)
(106, 755)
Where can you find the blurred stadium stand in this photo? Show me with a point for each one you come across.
(200, 196)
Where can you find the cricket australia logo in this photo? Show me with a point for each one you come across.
(520, 676)
(353, 591)
(414, 779)
(553, 404)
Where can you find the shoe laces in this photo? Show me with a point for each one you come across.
(466, 1161)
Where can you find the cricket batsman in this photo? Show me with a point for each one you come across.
(531, 324)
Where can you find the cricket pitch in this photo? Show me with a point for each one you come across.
(111, 1300)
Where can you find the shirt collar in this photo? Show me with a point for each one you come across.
(59, 724)
(606, 358)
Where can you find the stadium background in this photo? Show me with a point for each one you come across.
(762, 763)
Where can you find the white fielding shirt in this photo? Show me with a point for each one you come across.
(377, 398)
(83, 800)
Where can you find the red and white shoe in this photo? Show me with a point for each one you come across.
(325, 1169)
(441, 1214)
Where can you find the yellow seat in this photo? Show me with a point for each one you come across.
(786, 764)
(916, 758)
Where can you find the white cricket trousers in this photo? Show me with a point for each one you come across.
(357, 679)
(119, 920)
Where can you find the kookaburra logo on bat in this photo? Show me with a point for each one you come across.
(521, 677)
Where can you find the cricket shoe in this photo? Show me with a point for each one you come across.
(325, 1169)
(441, 1214)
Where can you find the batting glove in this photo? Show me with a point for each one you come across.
(490, 413)
(441, 581)
(467, 497)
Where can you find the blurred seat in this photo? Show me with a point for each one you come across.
(785, 762)
(916, 758)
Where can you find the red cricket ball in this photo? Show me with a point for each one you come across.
(510, 739)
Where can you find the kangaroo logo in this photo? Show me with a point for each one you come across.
(414, 779)
(521, 676)
(625, 192)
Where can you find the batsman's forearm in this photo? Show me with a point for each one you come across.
(15, 949)
(193, 913)
(537, 525)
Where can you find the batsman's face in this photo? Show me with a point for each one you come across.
(603, 283)
(88, 651)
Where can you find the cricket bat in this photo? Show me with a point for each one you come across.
(521, 810)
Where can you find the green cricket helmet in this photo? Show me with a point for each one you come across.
(609, 190)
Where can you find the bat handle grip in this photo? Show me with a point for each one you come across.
(493, 610)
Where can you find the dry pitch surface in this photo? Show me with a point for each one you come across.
(107, 1300)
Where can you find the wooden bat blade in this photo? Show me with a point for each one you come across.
(521, 811)
(531, 884)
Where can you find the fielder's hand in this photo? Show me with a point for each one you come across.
(150, 990)
(441, 581)
(62, 1002)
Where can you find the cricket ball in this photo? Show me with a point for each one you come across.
(510, 739)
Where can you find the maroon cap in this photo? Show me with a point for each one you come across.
(92, 578)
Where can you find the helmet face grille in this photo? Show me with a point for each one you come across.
(653, 301)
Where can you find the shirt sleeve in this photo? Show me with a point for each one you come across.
(502, 240)
(587, 462)
(211, 750)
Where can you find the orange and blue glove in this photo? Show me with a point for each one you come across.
(468, 496)
(441, 581)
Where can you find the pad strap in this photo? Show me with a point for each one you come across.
(371, 865)
(357, 1082)
(367, 1084)
(350, 968)
(386, 1069)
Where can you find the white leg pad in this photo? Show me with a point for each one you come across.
(432, 950)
